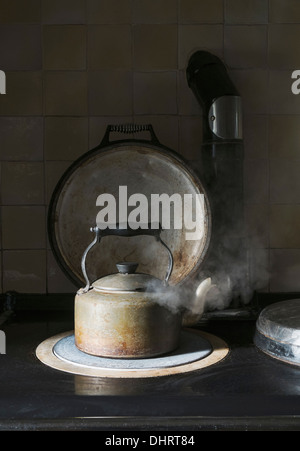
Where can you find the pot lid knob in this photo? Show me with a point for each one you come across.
(127, 267)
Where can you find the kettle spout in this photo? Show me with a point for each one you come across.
(196, 307)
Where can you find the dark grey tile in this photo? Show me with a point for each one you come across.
(64, 11)
(283, 53)
(18, 11)
(64, 47)
(253, 87)
(284, 180)
(22, 183)
(31, 235)
(148, 39)
(284, 136)
(65, 93)
(24, 271)
(195, 11)
(284, 11)
(246, 12)
(20, 47)
(255, 136)
(110, 47)
(66, 138)
(21, 138)
(110, 93)
(284, 270)
(284, 226)
(151, 11)
(23, 94)
(57, 281)
(198, 37)
(109, 11)
(256, 181)
(282, 100)
(245, 47)
(155, 93)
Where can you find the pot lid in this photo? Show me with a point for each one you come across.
(278, 330)
(144, 167)
(127, 280)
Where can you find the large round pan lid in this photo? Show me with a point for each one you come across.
(144, 167)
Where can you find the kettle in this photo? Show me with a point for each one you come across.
(125, 314)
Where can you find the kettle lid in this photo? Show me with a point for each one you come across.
(127, 280)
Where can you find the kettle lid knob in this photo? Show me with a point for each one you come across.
(127, 267)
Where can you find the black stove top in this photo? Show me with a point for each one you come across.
(248, 390)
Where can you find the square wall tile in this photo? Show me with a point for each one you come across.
(285, 270)
(23, 227)
(255, 132)
(246, 12)
(22, 183)
(110, 93)
(57, 281)
(257, 224)
(253, 86)
(63, 11)
(21, 138)
(199, 37)
(23, 94)
(284, 11)
(110, 47)
(284, 181)
(190, 137)
(148, 39)
(245, 46)
(283, 53)
(284, 226)
(187, 102)
(259, 269)
(65, 93)
(109, 11)
(1, 272)
(200, 11)
(152, 11)
(282, 100)
(284, 136)
(53, 172)
(20, 47)
(64, 47)
(24, 271)
(18, 11)
(155, 93)
(66, 138)
(256, 181)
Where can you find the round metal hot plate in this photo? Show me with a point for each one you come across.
(278, 331)
(197, 350)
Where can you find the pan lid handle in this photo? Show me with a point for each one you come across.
(128, 129)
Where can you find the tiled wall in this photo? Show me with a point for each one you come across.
(73, 66)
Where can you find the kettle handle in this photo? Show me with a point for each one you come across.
(120, 230)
